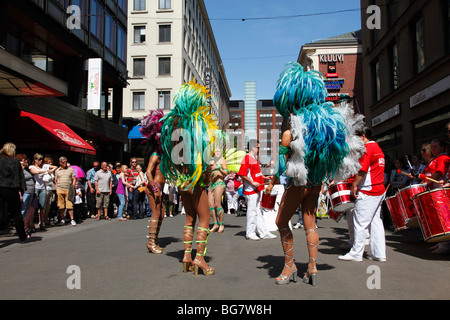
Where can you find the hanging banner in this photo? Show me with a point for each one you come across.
(94, 93)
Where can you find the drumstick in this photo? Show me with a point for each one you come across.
(421, 176)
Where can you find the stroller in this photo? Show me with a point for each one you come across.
(242, 204)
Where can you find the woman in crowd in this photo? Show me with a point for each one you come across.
(40, 172)
(12, 187)
(121, 191)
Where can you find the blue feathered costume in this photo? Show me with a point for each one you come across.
(324, 145)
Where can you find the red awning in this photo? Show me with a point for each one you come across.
(68, 139)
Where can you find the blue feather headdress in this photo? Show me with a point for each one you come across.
(320, 132)
(296, 89)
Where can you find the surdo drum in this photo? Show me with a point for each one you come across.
(268, 200)
(433, 213)
(406, 204)
(341, 196)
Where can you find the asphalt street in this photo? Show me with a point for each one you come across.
(108, 260)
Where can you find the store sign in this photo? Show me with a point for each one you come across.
(94, 92)
(68, 137)
(208, 79)
(335, 84)
(392, 112)
(326, 58)
(430, 92)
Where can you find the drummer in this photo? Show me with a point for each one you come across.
(438, 166)
(250, 172)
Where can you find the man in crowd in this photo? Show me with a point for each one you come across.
(90, 188)
(64, 181)
(103, 189)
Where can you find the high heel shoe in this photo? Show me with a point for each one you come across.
(221, 227)
(293, 275)
(202, 240)
(311, 277)
(214, 228)
(286, 279)
(152, 245)
(188, 235)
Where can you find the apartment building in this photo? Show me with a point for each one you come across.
(171, 43)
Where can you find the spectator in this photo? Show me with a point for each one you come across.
(28, 196)
(140, 185)
(133, 193)
(90, 189)
(417, 167)
(50, 194)
(168, 198)
(113, 198)
(78, 204)
(103, 189)
(231, 193)
(64, 180)
(12, 186)
(39, 171)
(397, 179)
(122, 191)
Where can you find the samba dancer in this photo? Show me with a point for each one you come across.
(320, 145)
(151, 129)
(191, 120)
(219, 170)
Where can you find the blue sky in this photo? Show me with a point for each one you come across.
(257, 49)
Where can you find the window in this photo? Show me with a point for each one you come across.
(394, 66)
(164, 33)
(164, 4)
(121, 43)
(164, 99)
(419, 52)
(139, 67)
(447, 25)
(123, 5)
(110, 32)
(138, 100)
(164, 66)
(139, 34)
(376, 81)
(139, 5)
(96, 26)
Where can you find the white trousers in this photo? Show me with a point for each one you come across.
(367, 218)
(232, 200)
(255, 221)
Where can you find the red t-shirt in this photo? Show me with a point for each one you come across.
(372, 162)
(440, 164)
(250, 168)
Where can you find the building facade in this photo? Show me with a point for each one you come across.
(338, 59)
(406, 54)
(268, 128)
(171, 43)
(45, 49)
